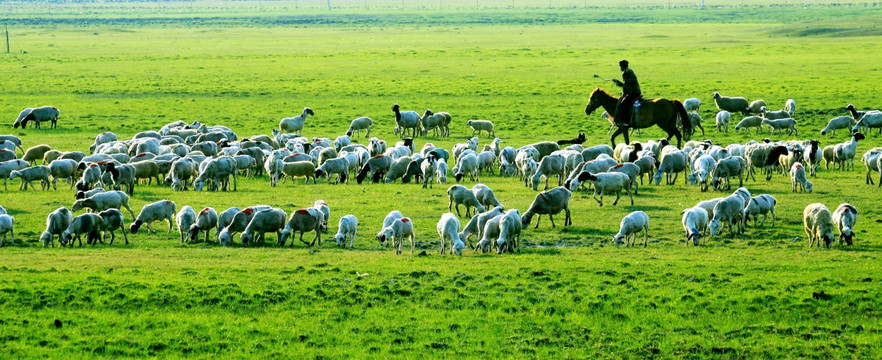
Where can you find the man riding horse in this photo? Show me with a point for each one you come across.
(630, 95)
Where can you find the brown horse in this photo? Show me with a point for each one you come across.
(661, 112)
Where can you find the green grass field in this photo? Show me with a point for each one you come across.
(569, 294)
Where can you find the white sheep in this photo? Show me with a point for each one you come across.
(458, 194)
(387, 221)
(695, 120)
(90, 224)
(398, 169)
(126, 175)
(549, 202)
(729, 210)
(185, 218)
(62, 169)
(489, 233)
(485, 196)
(56, 223)
(205, 221)
(397, 231)
(467, 164)
(325, 209)
(264, 221)
(671, 164)
(441, 171)
(346, 227)
(37, 115)
(112, 219)
(428, 172)
(692, 104)
(838, 123)
(870, 160)
(7, 225)
(510, 232)
(750, 122)
(845, 216)
(27, 175)
(773, 115)
(790, 106)
(157, 211)
(304, 169)
(788, 124)
(406, 120)
(237, 222)
(475, 226)
(731, 104)
(727, 168)
(303, 220)
(103, 201)
(844, 153)
(554, 164)
(593, 152)
(632, 224)
(760, 205)
(756, 106)
(448, 229)
(694, 223)
(606, 183)
(818, 224)
(7, 167)
(701, 171)
(339, 166)
(722, 121)
(482, 125)
(358, 124)
(486, 161)
(295, 123)
(708, 205)
(435, 121)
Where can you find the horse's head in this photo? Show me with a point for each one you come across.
(596, 100)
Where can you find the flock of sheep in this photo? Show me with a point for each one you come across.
(203, 157)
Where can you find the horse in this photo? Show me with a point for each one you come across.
(661, 112)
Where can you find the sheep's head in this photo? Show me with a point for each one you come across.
(692, 178)
(46, 238)
(283, 236)
(716, 95)
(694, 236)
(245, 238)
(384, 235)
(198, 185)
(500, 245)
(657, 177)
(339, 239)
(224, 238)
(14, 175)
(714, 227)
(77, 205)
(395, 108)
(618, 240)
(308, 111)
(809, 186)
(847, 235)
(135, 226)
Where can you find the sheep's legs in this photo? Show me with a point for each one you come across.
(552, 221)
(567, 221)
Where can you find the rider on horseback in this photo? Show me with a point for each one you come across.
(630, 94)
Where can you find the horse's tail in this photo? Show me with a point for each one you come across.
(684, 119)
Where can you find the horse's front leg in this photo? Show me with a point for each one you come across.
(619, 130)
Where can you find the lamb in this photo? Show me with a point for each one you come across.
(481, 125)
(593, 152)
(27, 175)
(359, 124)
(790, 106)
(865, 119)
(303, 220)
(773, 115)
(339, 166)
(397, 231)
(672, 163)
(701, 170)
(468, 164)
(761, 205)
(459, 194)
(347, 227)
(845, 217)
(264, 221)
(405, 120)
(292, 124)
(376, 167)
(37, 115)
(646, 165)
(554, 164)
(485, 196)
(627, 168)
(694, 223)
(787, 161)
(837, 123)
(730, 104)
(387, 221)
(550, 202)
(62, 169)
(7, 225)
(475, 226)
(185, 219)
(205, 221)
(441, 171)
(90, 224)
(723, 118)
(305, 169)
(750, 122)
(428, 171)
(510, 232)
(726, 168)
(112, 219)
(632, 224)
(56, 223)
(35, 153)
(781, 124)
(692, 104)
(491, 231)
(448, 229)
(756, 106)
(219, 170)
(818, 224)
(730, 210)
(844, 153)
(157, 211)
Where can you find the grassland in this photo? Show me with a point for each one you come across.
(569, 294)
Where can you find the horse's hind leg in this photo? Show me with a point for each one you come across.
(612, 139)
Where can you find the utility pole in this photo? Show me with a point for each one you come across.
(7, 36)
(329, 5)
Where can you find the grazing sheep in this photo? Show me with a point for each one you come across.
(510, 232)
(818, 224)
(554, 164)
(723, 119)
(730, 104)
(646, 165)
(264, 221)
(56, 223)
(870, 160)
(481, 125)
(185, 219)
(15, 140)
(845, 216)
(672, 164)
(549, 202)
(485, 196)
(787, 161)
(708, 205)
(304, 169)
(37, 115)
(7, 225)
(323, 207)
(486, 160)
(448, 229)
(397, 231)
(405, 120)
(359, 124)
(441, 171)
(90, 224)
(387, 221)
(85, 194)
(694, 223)
(6, 155)
(701, 171)
(695, 120)
(347, 227)
(865, 119)
(593, 152)
(750, 122)
(146, 170)
(756, 106)
(837, 123)
(773, 115)
(237, 222)
(225, 218)
(545, 148)
(62, 169)
(157, 211)
(467, 164)
(339, 166)
(459, 194)
(102, 138)
(475, 226)
(303, 220)
(729, 210)
(491, 231)
(35, 153)
(180, 174)
(766, 156)
(727, 168)
(692, 104)
(125, 175)
(376, 166)
(292, 124)
(91, 175)
(790, 106)
(632, 224)
(27, 175)
(398, 169)
(605, 183)
(112, 219)
(205, 221)
(781, 124)
(761, 205)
